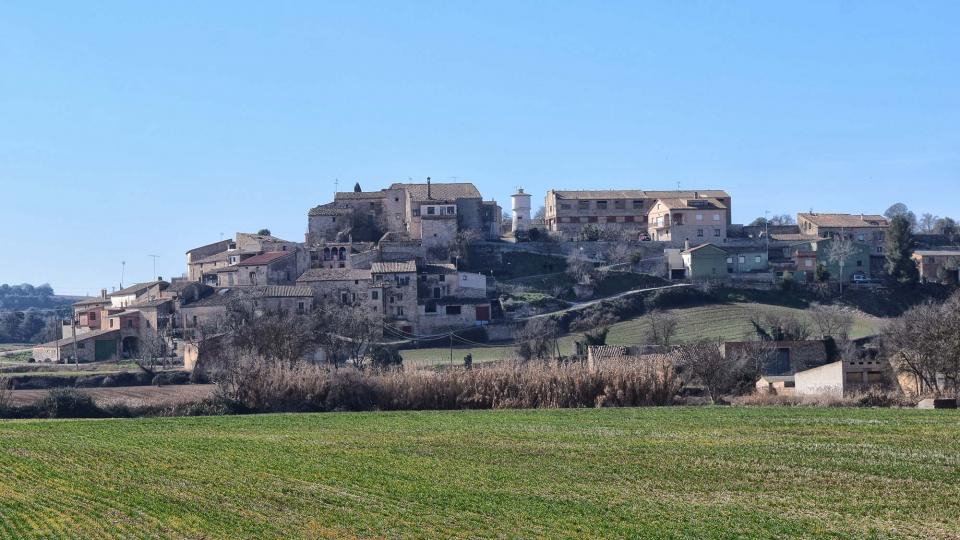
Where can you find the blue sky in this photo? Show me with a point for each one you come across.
(133, 128)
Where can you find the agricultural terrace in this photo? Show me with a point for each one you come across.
(711, 472)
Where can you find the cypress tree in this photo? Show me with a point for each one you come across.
(900, 244)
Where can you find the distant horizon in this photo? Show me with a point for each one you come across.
(132, 130)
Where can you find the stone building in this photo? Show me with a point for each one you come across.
(693, 220)
(271, 268)
(567, 212)
(862, 228)
(938, 265)
(447, 208)
(209, 310)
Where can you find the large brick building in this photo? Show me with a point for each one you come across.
(567, 212)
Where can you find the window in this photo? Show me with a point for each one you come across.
(699, 232)
(130, 323)
(619, 205)
(343, 298)
(601, 205)
(374, 295)
(628, 219)
(436, 292)
(564, 206)
(416, 212)
(729, 260)
(859, 262)
(591, 219)
(860, 237)
(443, 277)
(741, 259)
(194, 320)
(300, 307)
(430, 307)
(756, 259)
(716, 217)
(611, 219)
(451, 210)
(716, 232)
(699, 217)
(93, 316)
(583, 205)
(399, 298)
(638, 205)
(453, 310)
(431, 210)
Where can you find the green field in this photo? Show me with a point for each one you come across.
(641, 473)
(729, 322)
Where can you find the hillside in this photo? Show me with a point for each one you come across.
(714, 321)
(638, 473)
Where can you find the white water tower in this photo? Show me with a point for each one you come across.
(520, 206)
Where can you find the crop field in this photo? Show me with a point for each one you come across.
(724, 321)
(592, 473)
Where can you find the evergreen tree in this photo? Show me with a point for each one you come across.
(900, 244)
(356, 188)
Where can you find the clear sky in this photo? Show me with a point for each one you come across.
(137, 128)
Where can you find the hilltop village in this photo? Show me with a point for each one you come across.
(430, 259)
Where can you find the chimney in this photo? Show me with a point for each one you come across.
(103, 294)
(696, 195)
(429, 196)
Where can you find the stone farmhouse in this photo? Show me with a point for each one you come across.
(938, 265)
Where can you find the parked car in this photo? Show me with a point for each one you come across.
(644, 237)
(860, 278)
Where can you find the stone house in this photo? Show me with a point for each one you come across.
(138, 292)
(208, 311)
(208, 254)
(695, 220)
(938, 265)
(747, 259)
(346, 286)
(567, 212)
(861, 228)
(271, 268)
(92, 346)
(399, 282)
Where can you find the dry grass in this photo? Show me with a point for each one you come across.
(131, 396)
(306, 387)
(871, 398)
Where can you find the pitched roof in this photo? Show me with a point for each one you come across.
(393, 267)
(329, 209)
(156, 302)
(225, 243)
(685, 203)
(702, 246)
(265, 258)
(937, 252)
(845, 220)
(440, 191)
(637, 194)
(91, 301)
(333, 274)
(222, 269)
(80, 337)
(140, 287)
(438, 268)
(284, 291)
(340, 195)
(792, 237)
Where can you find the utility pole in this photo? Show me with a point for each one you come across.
(123, 269)
(73, 332)
(154, 266)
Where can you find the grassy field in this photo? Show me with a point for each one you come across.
(641, 473)
(724, 321)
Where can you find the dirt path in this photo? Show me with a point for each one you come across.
(132, 395)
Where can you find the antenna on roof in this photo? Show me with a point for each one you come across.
(154, 265)
(123, 269)
(336, 187)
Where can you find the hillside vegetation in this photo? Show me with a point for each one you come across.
(728, 322)
(596, 473)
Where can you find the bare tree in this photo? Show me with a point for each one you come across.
(345, 334)
(661, 327)
(833, 321)
(924, 343)
(772, 326)
(6, 396)
(841, 249)
(537, 339)
(704, 363)
(151, 351)
(275, 335)
(579, 268)
(927, 222)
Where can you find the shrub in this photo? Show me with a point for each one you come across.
(307, 387)
(68, 403)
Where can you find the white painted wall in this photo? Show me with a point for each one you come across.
(823, 380)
